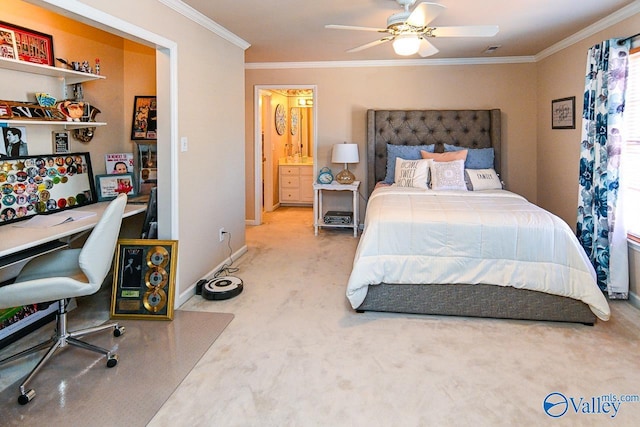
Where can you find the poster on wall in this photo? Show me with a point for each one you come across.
(119, 163)
(144, 124)
(14, 142)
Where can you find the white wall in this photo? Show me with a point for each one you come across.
(209, 82)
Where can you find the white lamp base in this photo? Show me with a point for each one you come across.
(345, 177)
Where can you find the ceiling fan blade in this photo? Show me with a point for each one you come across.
(426, 48)
(371, 44)
(353, 27)
(424, 13)
(466, 31)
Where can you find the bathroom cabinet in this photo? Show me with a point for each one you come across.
(296, 185)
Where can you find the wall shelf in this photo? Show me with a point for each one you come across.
(70, 77)
(66, 125)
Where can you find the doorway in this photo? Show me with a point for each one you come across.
(271, 145)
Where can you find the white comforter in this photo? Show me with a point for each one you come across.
(494, 237)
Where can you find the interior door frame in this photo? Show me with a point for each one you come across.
(166, 90)
(257, 139)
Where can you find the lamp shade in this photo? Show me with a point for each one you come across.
(406, 44)
(345, 153)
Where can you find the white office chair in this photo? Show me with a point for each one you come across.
(64, 274)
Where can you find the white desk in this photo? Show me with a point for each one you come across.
(20, 243)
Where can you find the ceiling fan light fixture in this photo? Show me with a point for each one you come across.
(406, 44)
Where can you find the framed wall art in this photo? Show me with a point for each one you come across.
(44, 184)
(563, 113)
(32, 46)
(60, 141)
(108, 186)
(144, 279)
(144, 124)
(8, 48)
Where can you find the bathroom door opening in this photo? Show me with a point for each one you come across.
(271, 146)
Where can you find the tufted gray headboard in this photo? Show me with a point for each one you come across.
(466, 128)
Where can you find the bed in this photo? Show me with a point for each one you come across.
(397, 268)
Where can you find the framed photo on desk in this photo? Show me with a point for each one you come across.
(110, 185)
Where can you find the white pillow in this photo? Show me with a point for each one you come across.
(448, 175)
(483, 179)
(411, 173)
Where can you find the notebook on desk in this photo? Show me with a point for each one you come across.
(46, 221)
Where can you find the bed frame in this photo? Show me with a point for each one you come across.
(465, 128)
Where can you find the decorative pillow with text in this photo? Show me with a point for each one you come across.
(407, 152)
(483, 179)
(412, 173)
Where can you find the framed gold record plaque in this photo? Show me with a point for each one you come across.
(144, 279)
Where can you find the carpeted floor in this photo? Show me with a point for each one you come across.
(296, 354)
(77, 389)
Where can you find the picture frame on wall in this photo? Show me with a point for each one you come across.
(108, 186)
(32, 46)
(144, 123)
(8, 47)
(144, 279)
(60, 139)
(563, 113)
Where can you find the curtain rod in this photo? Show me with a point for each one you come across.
(621, 41)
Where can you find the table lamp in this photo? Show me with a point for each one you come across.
(345, 153)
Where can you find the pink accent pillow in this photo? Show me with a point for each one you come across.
(381, 184)
(447, 156)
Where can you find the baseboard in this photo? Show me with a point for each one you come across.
(191, 290)
(634, 300)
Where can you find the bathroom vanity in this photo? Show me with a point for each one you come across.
(296, 182)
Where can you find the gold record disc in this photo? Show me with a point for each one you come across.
(154, 300)
(157, 257)
(156, 277)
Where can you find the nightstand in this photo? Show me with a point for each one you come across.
(318, 213)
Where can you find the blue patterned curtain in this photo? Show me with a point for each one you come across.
(600, 227)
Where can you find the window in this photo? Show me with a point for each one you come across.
(631, 150)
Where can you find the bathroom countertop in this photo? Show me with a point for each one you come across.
(283, 161)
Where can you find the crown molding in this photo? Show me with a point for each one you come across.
(205, 22)
(390, 63)
(618, 16)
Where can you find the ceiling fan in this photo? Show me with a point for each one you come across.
(409, 30)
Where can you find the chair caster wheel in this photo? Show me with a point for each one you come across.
(25, 398)
(118, 330)
(112, 361)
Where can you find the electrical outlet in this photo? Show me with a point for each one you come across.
(221, 234)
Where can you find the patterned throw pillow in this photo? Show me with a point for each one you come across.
(407, 152)
(448, 175)
(412, 173)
